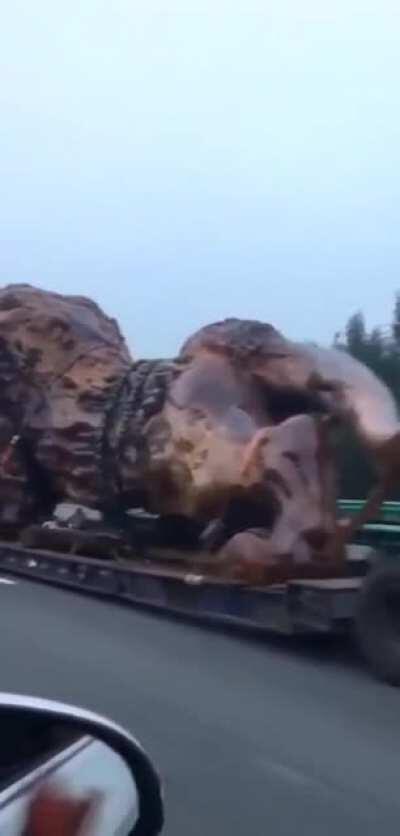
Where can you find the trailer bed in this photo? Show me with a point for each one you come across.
(296, 607)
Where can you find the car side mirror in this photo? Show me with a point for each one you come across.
(67, 770)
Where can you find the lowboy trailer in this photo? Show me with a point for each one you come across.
(364, 601)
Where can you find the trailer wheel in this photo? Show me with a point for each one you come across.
(377, 622)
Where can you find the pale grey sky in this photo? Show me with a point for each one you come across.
(181, 164)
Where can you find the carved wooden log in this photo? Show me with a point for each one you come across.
(61, 365)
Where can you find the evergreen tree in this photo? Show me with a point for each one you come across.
(383, 358)
(356, 335)
(396, 321)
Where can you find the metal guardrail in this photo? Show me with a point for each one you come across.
(389, 512)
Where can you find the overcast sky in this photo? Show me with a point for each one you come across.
(184, 166)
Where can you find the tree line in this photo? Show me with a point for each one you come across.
(380, 350)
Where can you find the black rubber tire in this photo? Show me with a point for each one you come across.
(377, 621)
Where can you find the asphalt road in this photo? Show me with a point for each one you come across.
(252, 737)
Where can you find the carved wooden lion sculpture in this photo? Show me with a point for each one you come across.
(233, 433)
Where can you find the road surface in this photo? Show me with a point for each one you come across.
(252, 738)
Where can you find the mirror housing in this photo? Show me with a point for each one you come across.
(150, 818)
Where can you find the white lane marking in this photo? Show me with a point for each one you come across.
(292, 775)
(8, 581)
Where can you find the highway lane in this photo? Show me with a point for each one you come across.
(252, 738)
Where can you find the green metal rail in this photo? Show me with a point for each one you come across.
(383, 531)
(389, 512)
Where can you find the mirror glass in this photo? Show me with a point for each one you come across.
(56, 780)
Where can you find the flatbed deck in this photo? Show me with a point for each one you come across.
(298, 606)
